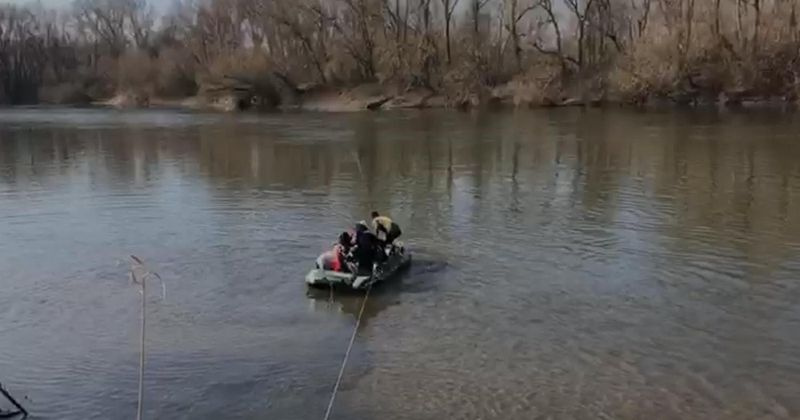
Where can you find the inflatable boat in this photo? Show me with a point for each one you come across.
(397, 258)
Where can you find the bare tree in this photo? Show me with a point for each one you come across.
(580, 10)
(756, 24)
(679, 17)
(449, 6)
(115, 23)
(641, 14)
(398, 18)
(475, 10)
(516, 12)
(685, 43)
(22, 55)
(356, 26)
(551, 20)
(427, 45)
(305, 22)
(403, 42)
(212, 30)
(140, 17)
(103, 22)
(607, 22)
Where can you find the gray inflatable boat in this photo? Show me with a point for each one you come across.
(398, 258)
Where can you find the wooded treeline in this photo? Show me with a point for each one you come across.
(539, 51)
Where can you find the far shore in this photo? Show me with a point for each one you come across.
(376, 98)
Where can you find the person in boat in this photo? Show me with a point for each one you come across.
(342, 249)
(335, 259)
(365, 251)
(329, 261)
(385, 229)
(345, 242)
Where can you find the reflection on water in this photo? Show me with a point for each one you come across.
(568, 264)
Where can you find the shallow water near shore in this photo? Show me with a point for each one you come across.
(568, 264)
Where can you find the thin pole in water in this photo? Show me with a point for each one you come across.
(141, 279)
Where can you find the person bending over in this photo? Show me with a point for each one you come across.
(385, 229)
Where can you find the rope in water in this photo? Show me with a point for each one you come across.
(347, 355)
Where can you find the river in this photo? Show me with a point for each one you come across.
(568, 264)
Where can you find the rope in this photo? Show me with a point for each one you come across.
(347, 355)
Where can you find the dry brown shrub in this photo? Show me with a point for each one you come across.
(648, 68)
(540, 84)
(136, 72)
(248, 73)
(175, 74)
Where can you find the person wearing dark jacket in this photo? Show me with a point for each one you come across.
(366, 249)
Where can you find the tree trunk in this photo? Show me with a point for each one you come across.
(756, 25)
(405, 22)
(447, 35)
(514, 34)
(740, 38)
(548, 8)
(425, 5)
(793, 22)
(398, 21)
(476, 10)
(687, 38)
(517, 51)
(581, 32)
(642, 23)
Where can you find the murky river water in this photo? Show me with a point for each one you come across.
(568, 264)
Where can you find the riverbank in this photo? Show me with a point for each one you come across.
(376, 97)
